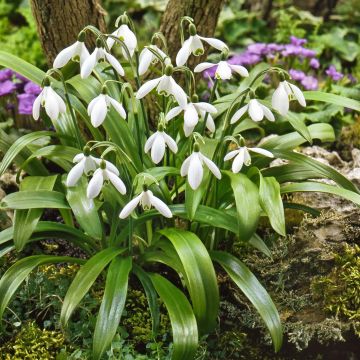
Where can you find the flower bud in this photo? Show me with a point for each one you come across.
(99, 43)
(194, 98)
(104, 90)
(192, 29)
(242, 142)
(102, 165)
(169, 70)
(145, 187)
(46, 81)
(196, 147)
(86, 150)
(160, 127)
(251, 94)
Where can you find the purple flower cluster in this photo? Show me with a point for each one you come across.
(25, 90)
(309, 82)
(333, 74)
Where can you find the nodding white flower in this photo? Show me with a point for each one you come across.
(53, 103)
(241, 156)
(146, 199)
(85, 165)
(157, 143)
(193, 45)
(99, 106)
(193, 168)
(192, 111)
(256, 111)
(102, 174)
(127, 36)
(97, 55)
(74, 51)
(165, 85)
(224, 70)
(283, 93)
(147, 57)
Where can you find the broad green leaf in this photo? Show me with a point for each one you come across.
(246, 195)
(25, 221)
(254, 291)
(200, 275)
(35, 200)
(332, 99)
(112, 304)
(302, 207)
(271, 202)
(18, 272)
(182, 318)
(84, 279)
(299, 125)
(258, 243)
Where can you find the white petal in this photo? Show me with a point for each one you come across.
(75, 173)
(147, 87)
(95, 184)
(109, 41)
(36, 106)
(92, 103)
(158, 149)
(145, 59)
(215, 43)
(184, 52)
(117, 182)
(173, 112)
(178, 93)
(280, 100)
(223, 71)
(255, 110)
(210, 124)
(188, 130)
(160, 206)
(90, 165)
(238, 161)
(130, 206)
(298, 94)
(247, 157)
(239, 113)
(51, 106)
(99, 112)
(196, 46)
(195, 172)
(59, 100)
(203, 66)
(171, 143)
(129, 38)
(230, 155)
(78, 157)
(164, 87)
(240, 70)
(88, 65)
(150, 141)
(211, 166)
(262, 152)
(185, 166)
(191, 116)
(115, 64)
(206, 107)
(64, 56)
(267, 112)
(84, 54)
(118, 107)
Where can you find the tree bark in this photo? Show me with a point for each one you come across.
(60, 21)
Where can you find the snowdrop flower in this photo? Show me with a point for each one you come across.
(48, 98)
(99, 106)
(223, 70)
(157, 143)
(192, 111)
(102, 174)
(193, 45)
(241, 156)
(165, 85)
(146, 199)
(193, 167)
(77, 50)
(124, 34)
(256, 111)
(147, 57)
(283, 93)
(97, 55)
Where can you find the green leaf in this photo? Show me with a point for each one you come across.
(34, 200)
(18, 272)
(332, 99)
(84, 279)
(112, 304)
(299, 125)
(200, 275)
(254, 291)
(313, 212)
(182, 318)
(25, 221)
(271, 202)
(247, 201)
(258, 243)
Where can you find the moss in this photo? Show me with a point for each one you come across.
(33, 343)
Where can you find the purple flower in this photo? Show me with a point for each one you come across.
(257, 48)
(7, 87)
(352, 78)
(245, 59)
(5, 74)
(335, 75)
(297, 75)
(26, 102)
(314, 63)
(297, 41)
(310, 83)
(32, 88)
(22, 78)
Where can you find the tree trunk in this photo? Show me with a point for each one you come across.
(60, 21)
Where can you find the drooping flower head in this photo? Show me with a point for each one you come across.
(148, 57)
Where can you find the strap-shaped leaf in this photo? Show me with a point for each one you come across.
(112, 304)
(40, 199)
(254, 291)
(258, 243)
(84, 279)
(332, 99)
(200, 275)
(182, 318)
(18, 272)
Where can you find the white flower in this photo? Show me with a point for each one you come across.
(85, 165)
(76, 50)
(165, 85)
(283, 93)
(157, 143)
(193, 168)
(192, 111)
(241, 156)
(223, 69)
(99, 106)
(194, 45)
(100, 54)
(146, 200)
(147, 57)
(125, 35)
(104, 173)
(52, 102)
(256, 111)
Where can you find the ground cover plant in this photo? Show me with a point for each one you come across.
(158, 199)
